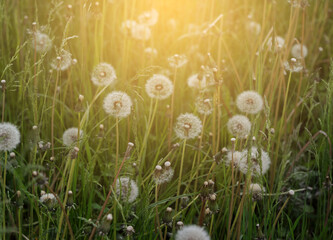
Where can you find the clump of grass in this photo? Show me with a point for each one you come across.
(166, 120)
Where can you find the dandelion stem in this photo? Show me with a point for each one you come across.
(52, 115)
(171, 110)
(156, 211)
(127, 153)
(180, 174)
(4, 197)
(3, 102)
(277, 217)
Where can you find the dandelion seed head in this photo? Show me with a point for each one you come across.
(275, 45)
(70, 136)
(177, 61)
(255, 162)
(127, 26)
(49, 200)
(239, 126)
(127, 189)
(298, 49)
(192, 232)
(159, 87)
(199, 82)
(249, 102)
(254, 27)
(117, 104)
(103, 74)
(63, 61)
(235, 157)
(204, 105)
(294, 65)
(140, 32)
(148, 18)
(40, 42)
(256, 188)
(188, 126)
(151, 52)
(9, 136)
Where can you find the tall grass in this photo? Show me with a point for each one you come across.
(215, 33)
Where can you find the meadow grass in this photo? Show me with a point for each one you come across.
(294, 127)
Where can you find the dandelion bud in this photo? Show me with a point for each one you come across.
(211, 182)
(12, 155)
(130, 231)
(291, 192)
(208, 211)
(167, 218)
(180, 225)
(167, 165)
(3, 85)
(109, 217)
(70, 200)
(81, 98)
(104, 227)
(184, 202)
(176, 145)
(130, 144)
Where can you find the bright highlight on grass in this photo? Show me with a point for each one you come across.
(185, 120)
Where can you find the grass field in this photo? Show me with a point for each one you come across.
(155, 119)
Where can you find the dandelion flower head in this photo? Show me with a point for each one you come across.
(70, 136)
(63, 61)
(148, 18)
(299, 51)
(117, 104)
(188, 126)
(192, 232)
(9, 137)
(204, 105)
(103, 74)
(239, 126)
(249, 102)
(159, 86)
(127, 189)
